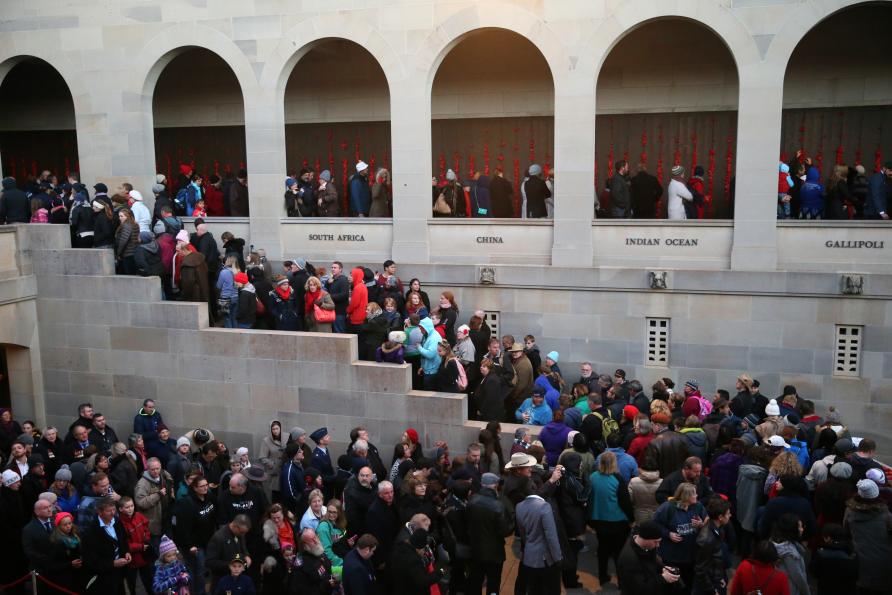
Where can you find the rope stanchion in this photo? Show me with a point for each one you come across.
(16, 582)
(59, 588)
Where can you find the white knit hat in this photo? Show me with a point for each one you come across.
(136, 195)
(10, 477)
(362, 165)
(772, 408)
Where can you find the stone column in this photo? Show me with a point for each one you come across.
(574, 158)
(758, 151)
(265, 147)
(410, 139)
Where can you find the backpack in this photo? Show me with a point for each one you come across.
(462, 375)
(181, 200)
(608, 425)
(705, 407)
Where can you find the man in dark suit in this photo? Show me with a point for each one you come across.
(36, 536)
(105, 551)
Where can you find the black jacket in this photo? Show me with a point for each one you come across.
(311, 575)
(196, 521)
(99, 556)
(359, 575)
(709, 564)
(489, 398)
(668, 450)
(207, 245)
(492, 523)
(221, 549)
(103, 441)
(646, 191)
(382, 521)
(835, 567)
(36, 544)
(14, 204)
(500, 196)
(536, 192)
(357, 500)
(103, 229)
(373, 333)
(339, 290)
(414, 579)
(620, 197)
(247, 306)
(639, 571)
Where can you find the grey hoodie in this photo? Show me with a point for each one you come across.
(792, 562)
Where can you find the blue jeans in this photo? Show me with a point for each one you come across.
(230, 321)
(195, 563)
(340, 324)
(244, 325)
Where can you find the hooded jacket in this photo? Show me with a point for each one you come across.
(697, 442)
(247, 305)
(642, 490)
(14, 204)
(870, 523)
(148, 256)
(791, 560)
(430, 359)
(194, 278)
(360, 195)
(103, 229)
(359, 298)
(811, 195)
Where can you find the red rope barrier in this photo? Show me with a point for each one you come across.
(55, 586)
(15, 583)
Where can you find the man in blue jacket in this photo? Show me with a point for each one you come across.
(360, 194)
(146, 424)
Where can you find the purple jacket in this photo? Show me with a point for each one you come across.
(554, 438)
(389, 356)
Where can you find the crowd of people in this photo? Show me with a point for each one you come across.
(849, 192)
(683, 493)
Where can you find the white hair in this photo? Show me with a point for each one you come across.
(360, 445)
(383, 485)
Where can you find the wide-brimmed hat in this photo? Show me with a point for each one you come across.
(516, 347)
(255, 473)
(520, 459)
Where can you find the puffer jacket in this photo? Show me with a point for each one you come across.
(359, 298)
(642, 490)
(148, 256)
(870, 524)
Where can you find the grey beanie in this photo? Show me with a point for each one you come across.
(841, 470)
(161, 179)
(157, 188)
(159, 228)
(63, 474)
(325, 175)
(296, 433)
(868, 490)
(535, 169)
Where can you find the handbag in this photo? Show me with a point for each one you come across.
(440, 206)
(343, 546)
(223, 305)
(323, 315)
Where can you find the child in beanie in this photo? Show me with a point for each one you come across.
(170, 572)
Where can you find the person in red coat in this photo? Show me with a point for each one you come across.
(758, 574)
(138, 539)
(359, 299)
(213, 197)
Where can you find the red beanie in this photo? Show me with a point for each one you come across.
(241, 278)
(185, 169)
(630, 412)
(413, 435)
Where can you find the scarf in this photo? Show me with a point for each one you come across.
(283, 292)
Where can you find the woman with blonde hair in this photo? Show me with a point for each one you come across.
(332, 529)
(840, 197)
(681, 518)
(381, 194)
(315, 511)
(785, 463)
(318, 307)
(609, 511)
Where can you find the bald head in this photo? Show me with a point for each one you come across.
(238, 483)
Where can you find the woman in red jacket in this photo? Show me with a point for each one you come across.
(138, 538)
(758, 574)
(359, 299)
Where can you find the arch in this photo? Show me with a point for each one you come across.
(653, 109)
(39, 130)
(632, 15)
(800, 22)
(303, 37)
(169, 43)
(491, 15)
